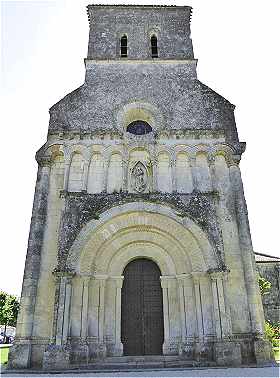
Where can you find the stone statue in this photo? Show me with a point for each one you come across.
(139, 178)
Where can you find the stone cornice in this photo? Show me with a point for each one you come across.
(90, 62)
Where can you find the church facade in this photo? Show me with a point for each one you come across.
(139, 241)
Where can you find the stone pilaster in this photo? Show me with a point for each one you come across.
(256, 310)
(19, 355)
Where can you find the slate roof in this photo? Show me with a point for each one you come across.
(263, 258)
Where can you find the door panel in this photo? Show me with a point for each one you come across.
(142, 311)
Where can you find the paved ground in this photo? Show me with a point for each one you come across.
(214, 372)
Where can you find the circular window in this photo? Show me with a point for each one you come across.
(139, 128)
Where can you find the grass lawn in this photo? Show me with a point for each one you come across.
(4, 355)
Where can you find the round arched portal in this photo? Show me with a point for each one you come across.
(142, 309)
(102, 255)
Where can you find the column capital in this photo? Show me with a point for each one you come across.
(218, 274)
(118, 280)
(86, 279)
(197, 277)
(101, 279)
(43, 161)
(183, 278)
(167, 281)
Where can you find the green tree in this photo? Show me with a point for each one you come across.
(264, 285)
(9, 308)
(271, 330)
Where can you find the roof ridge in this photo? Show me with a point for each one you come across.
(263, 254)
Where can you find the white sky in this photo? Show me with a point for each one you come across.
(43, 45)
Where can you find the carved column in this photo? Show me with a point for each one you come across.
(199, 314)
(63, 307)
(192, 163)
(101, 281)
(85, 175)
(211, 164)
(221, 316)
(105, 177)
(181, 295)
(66, 175)
(118, 350)
(125, 175)
(155, 175)
(164, 285)
(84, 328)
(173, 174)
(170, 297)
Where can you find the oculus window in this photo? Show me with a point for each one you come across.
(139, 128)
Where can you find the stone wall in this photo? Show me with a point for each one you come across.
(271, 301)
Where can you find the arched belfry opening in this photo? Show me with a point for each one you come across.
(124, 46)
(154, 46)
(142, 309)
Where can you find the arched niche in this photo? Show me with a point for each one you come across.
(76, 173)
(139, 160)
(164, 178)
(115, 173)
(184, 181)
(202, 173)
(58, 169)
(95, 174)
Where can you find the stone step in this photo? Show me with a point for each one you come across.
(140, 362)
(147, 358)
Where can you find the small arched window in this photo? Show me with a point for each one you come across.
(154, 46)
(124, 46)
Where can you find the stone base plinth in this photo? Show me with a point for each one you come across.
(227, 353)
(97, 351)
(56, 357)
(19, 356)
(263, 351)
(170, 348)
(115, 350)
(79, 353)
(203, 351)
(187, 351)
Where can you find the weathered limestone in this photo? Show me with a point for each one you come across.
(141, 162)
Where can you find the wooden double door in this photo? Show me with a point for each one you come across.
(142, 309)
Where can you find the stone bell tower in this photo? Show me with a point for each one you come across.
(139, 241)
